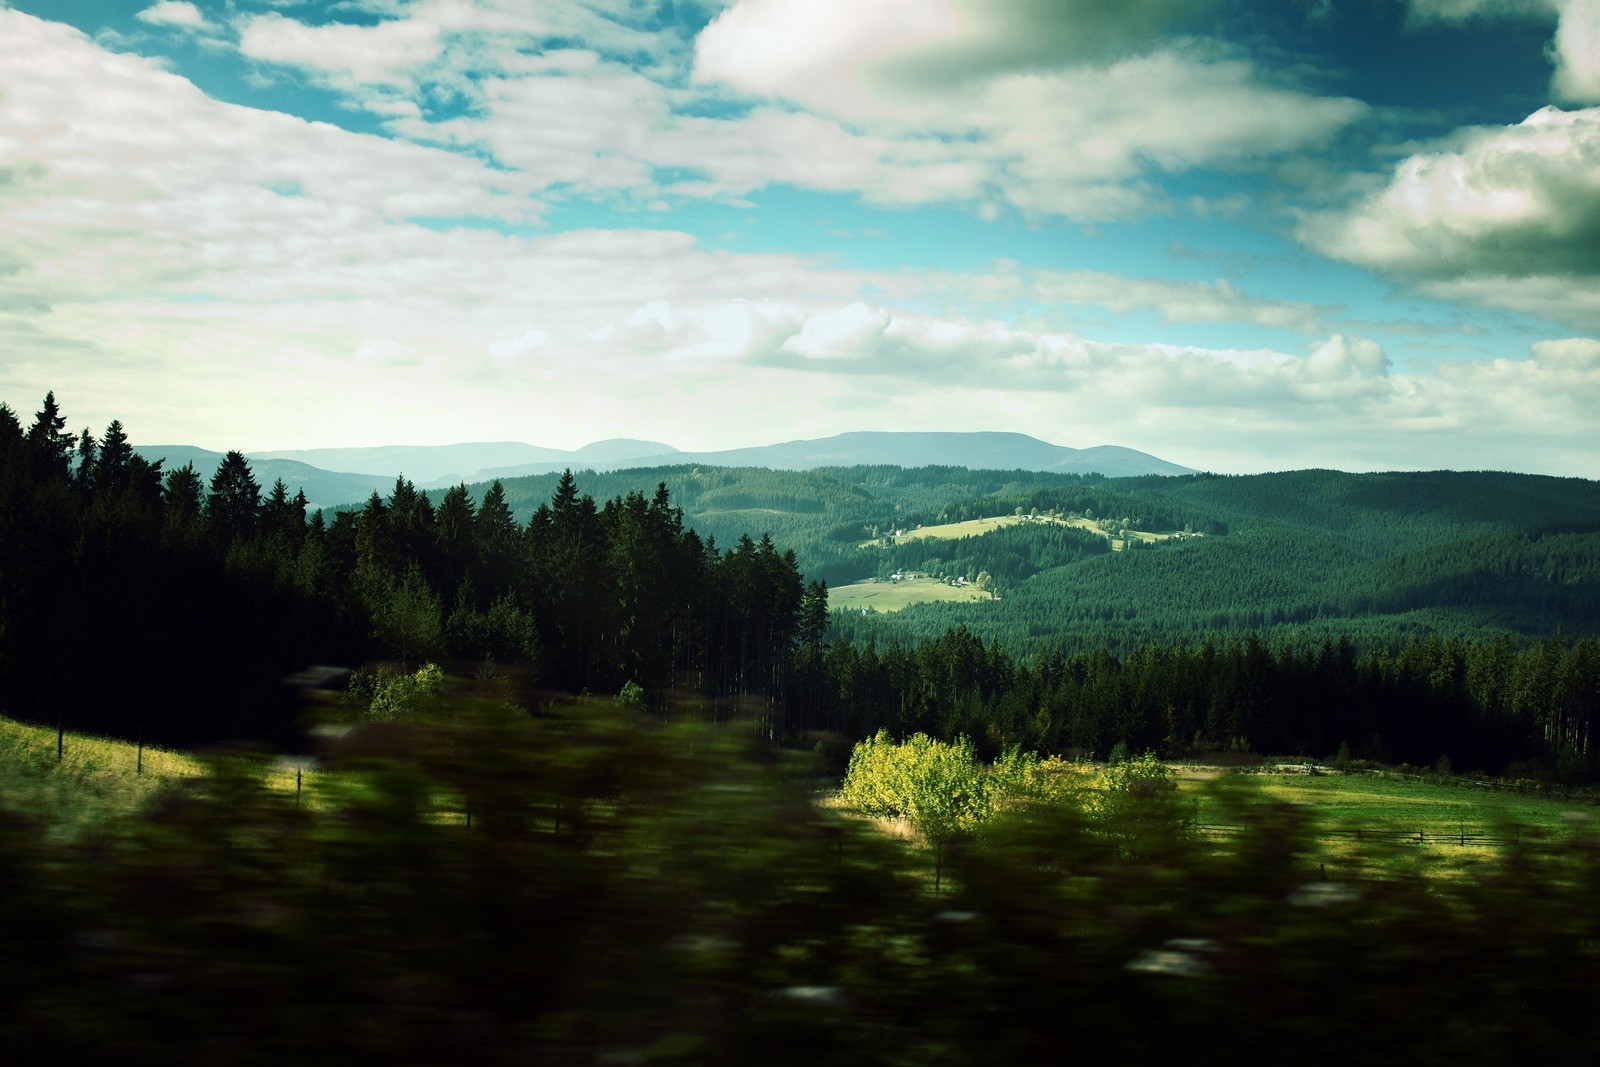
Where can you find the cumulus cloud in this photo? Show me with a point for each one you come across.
(1046, 128)
(1176, 301)
(1575, 49)
(384, 53)
(181, 254)
(1515, 208)
(796, 48)
(177, 13)
(910, 347)
(1058, 108)
(1577, 52)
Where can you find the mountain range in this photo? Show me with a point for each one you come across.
(334, 476)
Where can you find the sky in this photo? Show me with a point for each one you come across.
(1242, 235)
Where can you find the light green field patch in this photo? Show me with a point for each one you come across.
(95, 778)
(977, 527)
(1394, 825)
(892, 596)
(1405, 805)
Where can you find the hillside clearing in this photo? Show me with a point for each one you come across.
(876, 595)
(978, 527)
(95, 778)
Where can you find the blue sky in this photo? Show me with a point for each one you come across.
(1244, 236)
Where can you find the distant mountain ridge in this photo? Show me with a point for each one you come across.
(333, 476)
(976, 451)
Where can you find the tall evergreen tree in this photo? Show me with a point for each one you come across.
(48, 442)
(111, 466)
(233, 504)
(182, 496)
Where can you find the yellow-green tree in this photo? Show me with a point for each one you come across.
(937, 786)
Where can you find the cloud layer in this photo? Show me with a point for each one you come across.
(1507, 215)
(250, 278)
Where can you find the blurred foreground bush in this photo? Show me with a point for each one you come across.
(472, 884)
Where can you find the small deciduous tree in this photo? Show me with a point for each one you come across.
(388, 697)
(937, 786)
(1135, 803)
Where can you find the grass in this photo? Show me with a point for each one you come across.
(1463, 829)
(893, 596)
(978, 527)
(94, 780)
(1393, 825)
(99, 779)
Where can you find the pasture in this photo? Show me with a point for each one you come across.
(977, 527)
(876, 595)
(1385, 823)
(95, 779)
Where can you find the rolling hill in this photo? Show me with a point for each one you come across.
(335, 476)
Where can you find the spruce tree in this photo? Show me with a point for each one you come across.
(50, 447)
(233, 505)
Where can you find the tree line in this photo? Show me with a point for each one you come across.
(138, 601)
(141, 602)
(1495, 706)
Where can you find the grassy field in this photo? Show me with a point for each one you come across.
(95, 778)
(1367, 823)
(1395, 824)
(892, 596)
(978, 527)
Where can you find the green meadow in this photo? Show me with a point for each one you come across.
(94, 779)
(885, 596)
(1377, 823)
(98, 779)
(1386, 823)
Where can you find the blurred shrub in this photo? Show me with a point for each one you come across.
(594, 886)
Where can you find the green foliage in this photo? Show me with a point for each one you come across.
(1134, 801)
(405, 614)
(631, 698)
(588, 886)
(937, 785)
(389, 696)
(940, 787)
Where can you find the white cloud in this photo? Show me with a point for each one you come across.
(780, 47)
(247, 279)
(822, 50)
(1513, 211)
(385, 53)
(177, 13)
(1175, 300)
(1578, 356)
(526, 341)
(1577, 52)
(1022, 125)
(1081, 139)
(1575, 49)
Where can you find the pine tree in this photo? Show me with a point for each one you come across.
(234, 503)
(111, 466)
(181, 497)
(50, 447)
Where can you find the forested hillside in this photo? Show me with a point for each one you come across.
(1303, 555)
(139, 602)
(1412, 617)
